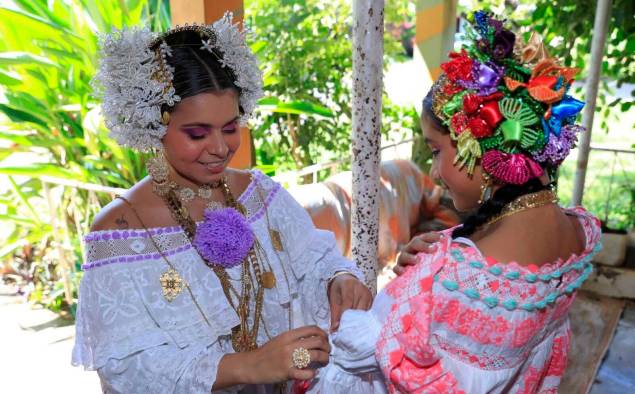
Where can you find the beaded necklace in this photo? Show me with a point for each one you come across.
(244, 337)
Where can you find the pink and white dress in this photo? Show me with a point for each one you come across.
(459, 322)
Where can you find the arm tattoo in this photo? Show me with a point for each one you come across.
(121, 222)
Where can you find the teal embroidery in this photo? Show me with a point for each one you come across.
(513, 275)
(510, 305)
(528, 307)
(545, 277)
(490, 301)
(450, 285)
(495, 270)
(458, 256)
(551, 298)
(472, 293)
(476, 264)
(583, 265)
(531, 278)
(556, 274)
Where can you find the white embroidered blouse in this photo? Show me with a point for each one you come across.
(138, 342)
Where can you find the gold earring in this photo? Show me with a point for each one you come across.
(159, 170)
(486, 188)
(165, 117)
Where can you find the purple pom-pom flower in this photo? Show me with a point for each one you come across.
(559, 146)
(224, 238)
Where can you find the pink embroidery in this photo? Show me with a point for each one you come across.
(471, 322)
(559, 356)
(531, 381)
(404, 354)
(490, 362)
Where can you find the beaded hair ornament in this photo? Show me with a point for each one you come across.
(134, 79)
(506, 103)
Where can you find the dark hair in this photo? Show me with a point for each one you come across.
(503, 196)
(195, 70)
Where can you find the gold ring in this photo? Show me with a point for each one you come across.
(301, 358)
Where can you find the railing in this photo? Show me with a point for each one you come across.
(629, 173)
(389, 152)
(609, 190)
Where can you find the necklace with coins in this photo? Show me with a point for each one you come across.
(253, 281)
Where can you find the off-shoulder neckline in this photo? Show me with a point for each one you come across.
(590, 226)
(255, 177)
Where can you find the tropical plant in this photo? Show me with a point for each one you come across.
(52, 140)
(305, 48)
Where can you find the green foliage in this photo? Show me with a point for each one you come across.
(51, 133)
(305, 48)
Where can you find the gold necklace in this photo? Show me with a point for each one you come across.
(159, 170)
(244, 338)
(187, 194)
(524, 202)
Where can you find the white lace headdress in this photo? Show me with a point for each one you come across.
(135, 81)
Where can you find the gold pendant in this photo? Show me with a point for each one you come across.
(276, 241)
(171, 284)
(268, 280)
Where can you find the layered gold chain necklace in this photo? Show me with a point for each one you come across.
(244, 337)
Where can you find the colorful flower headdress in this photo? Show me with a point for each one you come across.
(506, 103)
(135, 81)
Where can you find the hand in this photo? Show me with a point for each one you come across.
(424, 243)
(347, 292)
(273, 362)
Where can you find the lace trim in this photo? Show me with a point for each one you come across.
(107, 235)
(484, 360)
(114, 246)
(135, 258)
(592, 233)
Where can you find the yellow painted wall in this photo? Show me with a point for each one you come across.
(435, 27)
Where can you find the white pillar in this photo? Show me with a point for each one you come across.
(600, 26)
(368, 50)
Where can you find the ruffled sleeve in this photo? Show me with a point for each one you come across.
(312, 254)
(352, 366)
(122, 334)
(404, 351)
